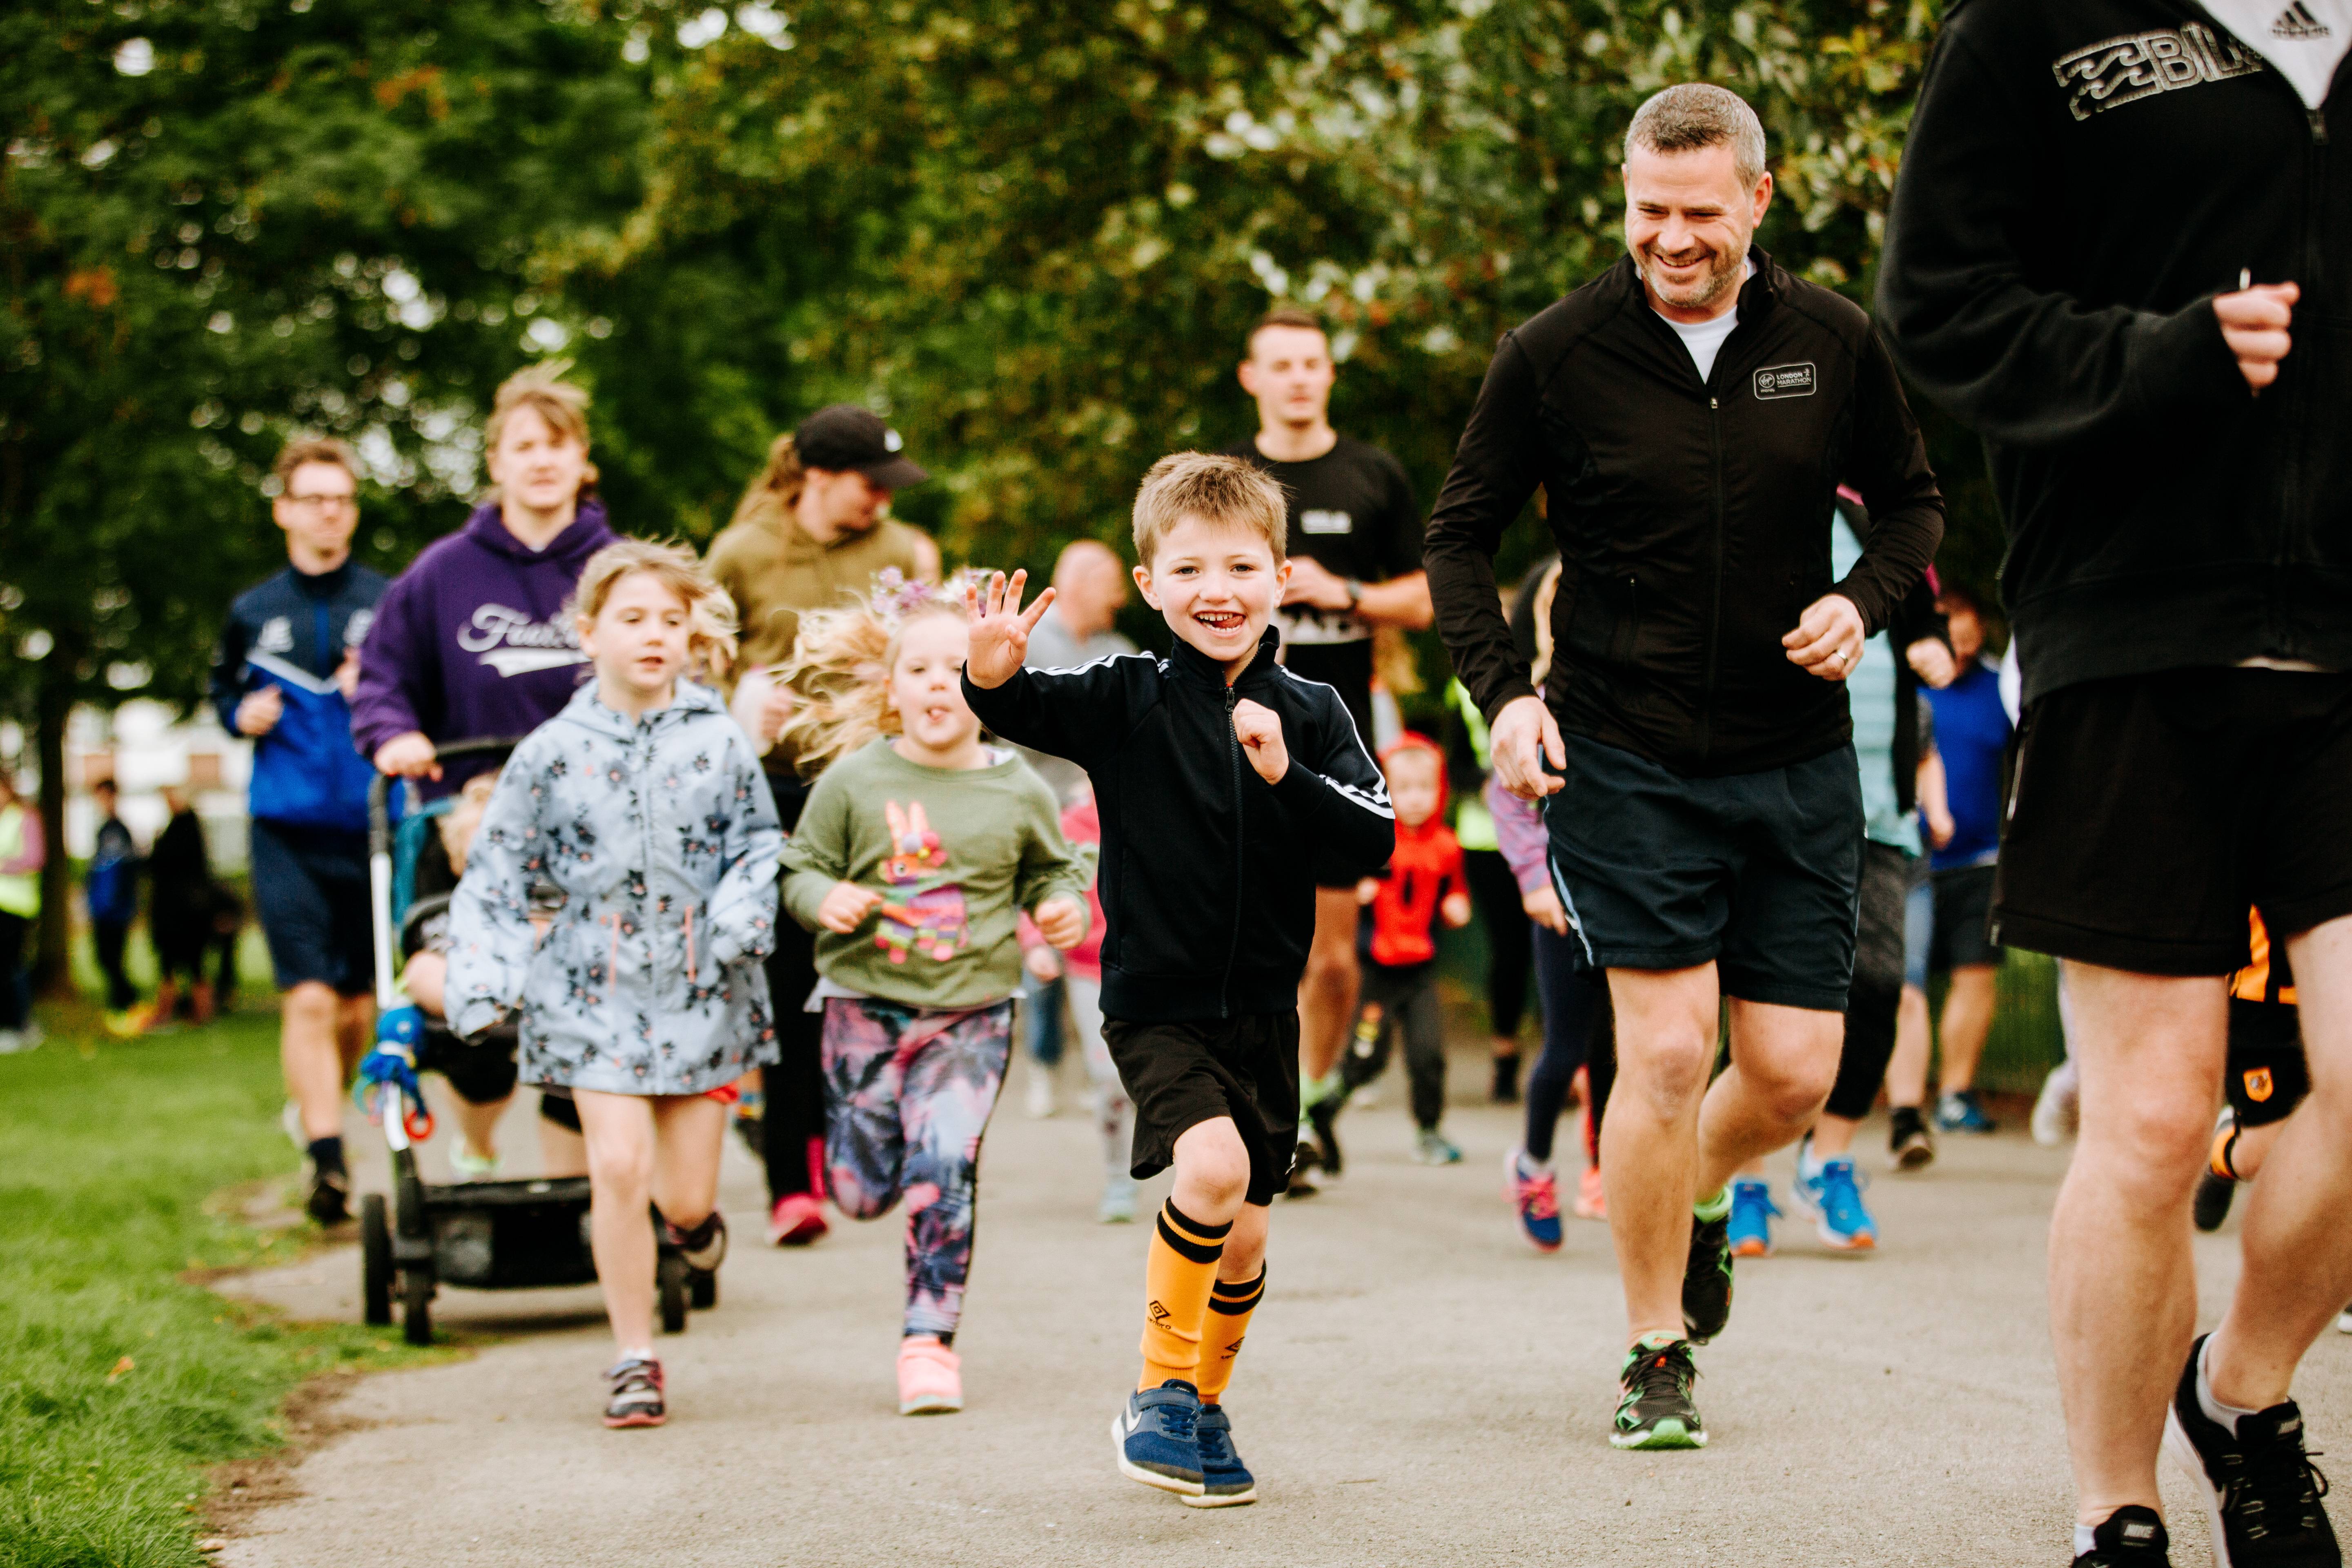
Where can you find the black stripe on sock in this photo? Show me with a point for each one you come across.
(1189, 1249)
(1230, 1288)
(1233, 1309)
(1212, 1232)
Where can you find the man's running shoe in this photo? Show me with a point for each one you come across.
(930, 1377)
(1962, 1111)
(1654, 1409)
(1225, 1481)
(1832, 1196)
(1533, 1192)
(469, 1166)
(2343, 1321)
(1591, 1198)
(1430, 1147)
(2131, 1537)
(1302, 1161)
(1324, 1117)
(1706, 1277)
(1156, 1435)
(796, 1219)
(329, 1203)
(1750, 1229)
(2261, 1490)
(2058, 1109)
(1908, 1145)
(636, 1396)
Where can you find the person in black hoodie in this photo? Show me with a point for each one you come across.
(2114, 250)
(1225, 783)
(1689, 415)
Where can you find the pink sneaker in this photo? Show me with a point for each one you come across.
(1591, 1203)
(797, 1219)
(930, 1377)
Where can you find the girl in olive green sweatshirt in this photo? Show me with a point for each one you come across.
(912, 861)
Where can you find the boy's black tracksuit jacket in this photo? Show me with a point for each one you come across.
(1208, 871)
(2080, 181)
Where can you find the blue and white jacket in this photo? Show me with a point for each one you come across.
(292, 632)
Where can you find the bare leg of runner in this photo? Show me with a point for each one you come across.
(1968, 1020)
(1783, 1062)
(310, 1052)
(2150, 1049)
(2298, 1267)
(1326, 992)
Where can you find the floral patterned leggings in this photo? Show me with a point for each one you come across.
(908, 1095)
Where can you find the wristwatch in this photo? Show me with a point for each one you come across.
(1355, 594)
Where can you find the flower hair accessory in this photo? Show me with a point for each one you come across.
(897, 596)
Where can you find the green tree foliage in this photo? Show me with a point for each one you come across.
(227, 221)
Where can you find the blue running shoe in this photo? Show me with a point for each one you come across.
(1155, 1433)
(1962, 1111)
(1832, 1196)
(1752, 1214)
(1225, 1481)
(1535, 1195)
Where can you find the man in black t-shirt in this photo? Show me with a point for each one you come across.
(1354, 543)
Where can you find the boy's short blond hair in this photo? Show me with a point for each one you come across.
(1215, 490)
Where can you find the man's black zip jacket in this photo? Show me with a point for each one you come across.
(2080, 180)
(1693, 516)
(1208, 871)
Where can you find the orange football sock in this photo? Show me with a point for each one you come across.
(1178, 1275)
(1230, 1305)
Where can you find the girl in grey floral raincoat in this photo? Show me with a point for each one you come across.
(644, 806)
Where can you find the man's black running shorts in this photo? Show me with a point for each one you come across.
(1755, 871)
(1181, 1075)
(2151, 810)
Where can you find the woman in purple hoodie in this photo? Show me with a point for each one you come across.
(472, 640)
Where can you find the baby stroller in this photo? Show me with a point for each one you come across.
(485, 1234)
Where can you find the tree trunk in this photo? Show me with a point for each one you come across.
(52, 975)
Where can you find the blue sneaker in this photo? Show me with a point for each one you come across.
(1155, 1434)
(1962, 1112)
(1752, 1214)
(1535, 1195)
(1832, 1196)
(1224, 1479)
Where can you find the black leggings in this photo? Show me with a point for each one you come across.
(791, 1127)
(1578, 1028)
(1496, 893)
(1877, 992)
(1400, 999)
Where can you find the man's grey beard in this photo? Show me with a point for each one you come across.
(1721, 279)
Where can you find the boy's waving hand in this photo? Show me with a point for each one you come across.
(999, 628)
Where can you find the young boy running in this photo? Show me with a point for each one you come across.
(1223, 780)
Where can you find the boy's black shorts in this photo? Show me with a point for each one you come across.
(2151, 810)
(2269, 1074)
(1181, 1075)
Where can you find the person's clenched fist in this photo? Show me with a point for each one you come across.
(1062, 921)
(845, 907)
(1259, 729)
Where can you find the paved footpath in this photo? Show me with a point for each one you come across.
(1420, 1388)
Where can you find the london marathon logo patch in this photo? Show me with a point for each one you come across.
(1784, 381)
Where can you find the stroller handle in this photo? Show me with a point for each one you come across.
(380, 856)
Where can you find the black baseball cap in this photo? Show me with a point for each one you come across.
(842, 436)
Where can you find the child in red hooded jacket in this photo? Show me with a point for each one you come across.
(1423, 882)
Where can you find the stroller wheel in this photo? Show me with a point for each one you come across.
(416, 1302)
(702, 1287)
(376, 1260)
(670, 1277)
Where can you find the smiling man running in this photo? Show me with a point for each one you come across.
(1689, 416)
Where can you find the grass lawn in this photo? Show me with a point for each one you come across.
(119, 1378)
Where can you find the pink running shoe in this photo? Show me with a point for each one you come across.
(797, 1219)
(930, 1377)
(1590, 1202)
(1534, 1193)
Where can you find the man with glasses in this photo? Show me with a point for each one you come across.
(287, 664)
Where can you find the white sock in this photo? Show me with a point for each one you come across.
(2225, 1416)
(1809, 1164)
(1529, 1166)
(644, 1353)
(2085, 1538)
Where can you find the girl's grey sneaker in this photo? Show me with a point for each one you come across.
(1434, 1148)
(1155, 1434)
(1225, 1481)
(636, 1394)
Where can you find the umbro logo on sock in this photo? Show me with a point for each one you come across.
(1158, 1313)
(2297, 22)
